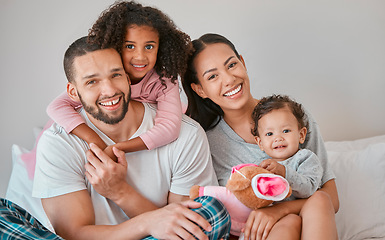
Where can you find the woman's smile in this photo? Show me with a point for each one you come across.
(232, 92)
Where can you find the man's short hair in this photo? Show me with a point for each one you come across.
(80, 47)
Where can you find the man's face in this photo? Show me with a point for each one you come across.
(101, 85)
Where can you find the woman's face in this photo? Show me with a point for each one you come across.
(222, 76)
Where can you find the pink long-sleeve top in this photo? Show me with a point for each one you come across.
(167, 121)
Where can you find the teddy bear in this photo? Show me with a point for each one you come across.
(249, 187)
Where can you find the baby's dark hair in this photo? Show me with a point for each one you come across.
(110, 29)
(274, 102)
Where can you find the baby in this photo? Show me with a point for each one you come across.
(280, 127)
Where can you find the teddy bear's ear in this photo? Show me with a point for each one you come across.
(238, 184)
(270, 186)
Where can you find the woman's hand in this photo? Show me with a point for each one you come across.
(261, 221)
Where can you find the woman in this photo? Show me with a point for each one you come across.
(218, 90)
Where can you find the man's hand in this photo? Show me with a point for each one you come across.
(177, 221)
(273, 166)
(106, 176)
(109, 179)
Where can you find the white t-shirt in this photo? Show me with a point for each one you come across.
(175, 167)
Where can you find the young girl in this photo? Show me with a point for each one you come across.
(280, 126)
(154, 52)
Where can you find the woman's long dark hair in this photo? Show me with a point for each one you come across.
(203, 110)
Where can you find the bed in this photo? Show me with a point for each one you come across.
(359, 167)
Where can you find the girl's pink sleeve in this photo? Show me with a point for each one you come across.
(168, 117)
(63, 111)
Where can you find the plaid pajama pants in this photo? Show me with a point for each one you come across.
(17, 223)
(216, 214)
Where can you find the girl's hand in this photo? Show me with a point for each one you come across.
(108, 150)
(273, 166)
(260, 223)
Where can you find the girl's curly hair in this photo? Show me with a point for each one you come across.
(110, 29)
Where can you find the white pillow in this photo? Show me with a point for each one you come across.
(36, 131)
(20, 188)
(359, 144)
(359, 167)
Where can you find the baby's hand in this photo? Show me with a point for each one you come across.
(273, 166)
(110, 153)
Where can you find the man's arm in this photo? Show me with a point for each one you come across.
(108, 178)
(72, 216)
(175, 198)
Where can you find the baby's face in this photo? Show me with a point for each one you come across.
(279, 134)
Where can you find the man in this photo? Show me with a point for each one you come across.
(86, 195)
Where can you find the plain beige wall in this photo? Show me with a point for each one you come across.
(327, 54)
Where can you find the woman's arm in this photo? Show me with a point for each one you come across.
(315, 143)
(295, 206)
(266, 218)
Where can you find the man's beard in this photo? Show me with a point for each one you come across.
(98, 113)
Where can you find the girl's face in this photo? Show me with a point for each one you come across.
(279, 135)
(140, 51)
(222, 77)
